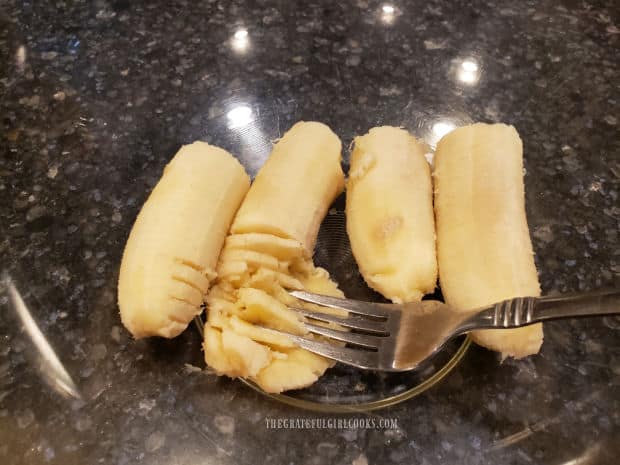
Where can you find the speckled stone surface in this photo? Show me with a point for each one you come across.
(95, 97)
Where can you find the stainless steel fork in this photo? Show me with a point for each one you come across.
(398, 337)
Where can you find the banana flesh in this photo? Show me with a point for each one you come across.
(293, 190)
(390, 214)
(483, 245)
(170, 257)
(268, 251)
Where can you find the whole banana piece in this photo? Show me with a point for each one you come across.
(390, 214)
(483, 243)
(173, 248)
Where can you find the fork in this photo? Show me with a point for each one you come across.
(398, 337)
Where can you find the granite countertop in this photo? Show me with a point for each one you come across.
(95, 97)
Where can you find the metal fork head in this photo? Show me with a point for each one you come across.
(371, 325)
(357, 307)
(397, 341)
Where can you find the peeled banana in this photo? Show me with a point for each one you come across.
(172, 251)
(390, 214)
(483, 244)
(267, 252)
(306, 159)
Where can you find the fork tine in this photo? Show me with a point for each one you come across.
(356, 357)
(353, 306)
(364, 340)
(354, 321)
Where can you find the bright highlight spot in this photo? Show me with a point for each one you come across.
(442, 128)
(239, 116)
(469, 65)
(387, 14)
(240, 40)
(468, 72)
(241, 34)
(436, 131)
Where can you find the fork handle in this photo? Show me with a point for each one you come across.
(523, 311)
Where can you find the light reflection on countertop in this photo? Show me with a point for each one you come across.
(388, 13)
(468, 71)
(240, 41)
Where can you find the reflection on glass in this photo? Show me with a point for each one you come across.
(244, 121)
(439, 129)
(20, 58)
(47, 362)
(442, 128)
(239, 116)
(240, 40)
(387, 13)
(590, 456)
(468, 71)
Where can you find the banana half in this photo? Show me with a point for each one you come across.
(172, 251)
(268, 251)
(390, 214)
(483, 243)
